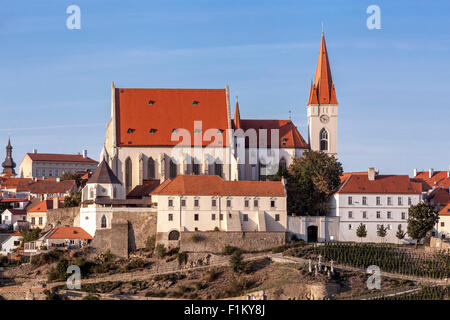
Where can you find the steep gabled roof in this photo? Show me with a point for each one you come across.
(143, 190)
(215, 185)
(103, 174)
(322, 90)
(148, 117)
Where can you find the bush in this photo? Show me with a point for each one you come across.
(91, 297)
(198, 286)
(160, 250)
(30, 235)
(46, 258)
(134, 264)
(3, 260)
(279, 249)
(210, 275)
(150, 243)
(59, 272)
(183, 289)
(182, 258)
(228, 250)
(216, 229)
(237, 261)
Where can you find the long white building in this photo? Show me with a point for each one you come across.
(207, 203)
(374, 200)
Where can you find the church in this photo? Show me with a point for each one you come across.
(157, 134)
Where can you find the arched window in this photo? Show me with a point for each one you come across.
(323, 140)
(151, 169)
(173, 169)
(103, 222)
(91, 193)
(218, 169)
(128, 175)
(174, 235)
(283, 164)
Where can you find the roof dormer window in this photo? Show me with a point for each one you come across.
(195, 102)
(130, 130)
(152, 131)
(151, 102)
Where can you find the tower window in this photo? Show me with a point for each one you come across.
(174, 130)
(130, 130)
(323, 140)
(195, 102)
(152, 131)
(151, 102)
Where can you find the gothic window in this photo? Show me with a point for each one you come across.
(91, 193)
(283, 164)
(151, 169)
(323, 140)
(128, 175)
(172, 169)
(103, 222)
(218, 169)
(195, 167)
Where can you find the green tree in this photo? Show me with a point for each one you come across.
(72, 176)
(422, 218)
(381, 232)
(361, 232)
(72, 200)
(311, 180)
(237, 261)
(400, 233)
(29, 235)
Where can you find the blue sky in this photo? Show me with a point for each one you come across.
(392, 84)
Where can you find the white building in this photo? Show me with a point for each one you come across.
(374, 200)
(11, 216)
(10, 244)
(53, 165)
(207, 203)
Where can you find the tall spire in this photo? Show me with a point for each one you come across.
(9, 164)
(237, 116)
(322, 90)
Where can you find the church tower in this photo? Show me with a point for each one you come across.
(9, 164)
(323, 107)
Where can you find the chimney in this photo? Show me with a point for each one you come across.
(415, 172)
(34, 151)
(371, 174)
(55, 203)
(430, 173)
(85, 153)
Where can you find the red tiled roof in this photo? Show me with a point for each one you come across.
(17, 211)
(56, 157)
(70, 233)
(16, 234)
(445, 211)
(391, 184)
(345, 175)
(140, 110)
(45, 205)
(143, 190)
(215, 185)
(322, 90)
(439, 196)
(289, 137)
(14, 200)
(439, 179)
(51, 187)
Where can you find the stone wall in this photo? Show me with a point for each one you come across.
(63, 217)
(129, 231)
(216, 241)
